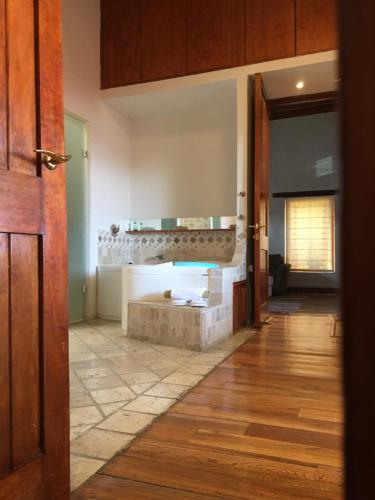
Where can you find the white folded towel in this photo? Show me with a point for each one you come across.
(179, 302)
(198, 303)
(189, 293)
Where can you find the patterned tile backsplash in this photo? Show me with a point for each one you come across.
(177, 245)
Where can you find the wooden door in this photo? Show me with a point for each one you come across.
(259, 229)
(34, 419)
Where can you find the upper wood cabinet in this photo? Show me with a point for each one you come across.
(163, 38)
(120, 42)
(145, 40)
(270, 30)
(316, 26)
(215, 34)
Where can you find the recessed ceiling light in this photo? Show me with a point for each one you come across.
(300, 84)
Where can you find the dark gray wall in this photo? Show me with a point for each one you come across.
(302, 149)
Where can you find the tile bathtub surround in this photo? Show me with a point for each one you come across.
(120, 385)
(193, 328)
(179, 245)
(196, 329)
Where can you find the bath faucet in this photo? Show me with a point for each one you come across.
(159, 258)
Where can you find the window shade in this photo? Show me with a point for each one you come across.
(309, 228)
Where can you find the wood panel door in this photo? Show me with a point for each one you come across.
(316, 26)
(270, 30)
(34, 419)
(215, 34)
(260, 226)
(163, 39)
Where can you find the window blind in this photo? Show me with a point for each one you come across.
(309, 234)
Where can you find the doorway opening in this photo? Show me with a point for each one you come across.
(295, 221)
(294, 240)
(304, 249)
(76, 185)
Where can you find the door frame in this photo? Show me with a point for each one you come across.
(357, 68)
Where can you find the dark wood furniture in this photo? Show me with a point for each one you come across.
(145, 40)
(239, 305)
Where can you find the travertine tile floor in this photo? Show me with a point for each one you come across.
(118, 386)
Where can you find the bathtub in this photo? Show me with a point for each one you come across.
(206, 265)
(149, 281)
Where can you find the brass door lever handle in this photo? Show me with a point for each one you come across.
(256, 226)
(51, 160)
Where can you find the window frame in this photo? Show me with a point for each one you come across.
(333, 232)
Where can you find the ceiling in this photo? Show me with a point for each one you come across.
(208, 96)
(321, 77)
(317, 78)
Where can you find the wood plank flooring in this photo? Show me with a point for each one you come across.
(265, 424)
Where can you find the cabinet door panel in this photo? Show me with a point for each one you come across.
(20, 67)
(239, 305)
(270, 30)
(120, 42)
(215, 34)
(316, 26)
(163, 39)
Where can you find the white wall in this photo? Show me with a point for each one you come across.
(109, 147)
(184, 164)
(181, 164)
(296, 145)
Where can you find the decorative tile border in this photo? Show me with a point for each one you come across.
(180, 245)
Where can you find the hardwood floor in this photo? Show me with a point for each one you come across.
(266, 423)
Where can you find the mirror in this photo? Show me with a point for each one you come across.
(180, 224)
